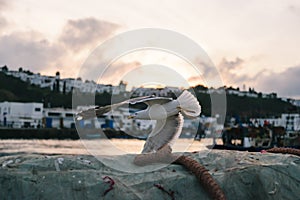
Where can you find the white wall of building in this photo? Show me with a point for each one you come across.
(59, 117)
(291, 122)
(19, 115)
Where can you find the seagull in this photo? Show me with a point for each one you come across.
(168, 113)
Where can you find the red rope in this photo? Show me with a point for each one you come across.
(111, 183)
(285, 151)
(165, 156)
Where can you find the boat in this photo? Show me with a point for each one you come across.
(258, 138)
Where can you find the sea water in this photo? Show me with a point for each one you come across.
(105, 147)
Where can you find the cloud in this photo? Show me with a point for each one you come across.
(3, 21)
(32, 50)
(81, 33)
(4, 4)
(229, 71)
(208, 73)
(295, 9)
(29, 50)
(285, 83)
(195, 79)
(228, 65)
(117, 71)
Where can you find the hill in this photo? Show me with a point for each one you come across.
(13, 89)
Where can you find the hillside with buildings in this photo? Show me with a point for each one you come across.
(29, 100)
(53, 91)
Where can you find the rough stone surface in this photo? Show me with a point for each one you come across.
(241, 175)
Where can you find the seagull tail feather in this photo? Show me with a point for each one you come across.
(189, 104)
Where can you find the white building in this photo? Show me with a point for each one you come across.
(19, 115)
(291, 122)
(121, 88)
(296, 103)
(67, 84)
(233, 91)
(269, 96)
(157, 92)
(59, 118)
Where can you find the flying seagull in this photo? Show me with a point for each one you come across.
(167, 112)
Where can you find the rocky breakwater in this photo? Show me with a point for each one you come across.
(241, 175)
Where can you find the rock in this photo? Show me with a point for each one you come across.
(241, 175)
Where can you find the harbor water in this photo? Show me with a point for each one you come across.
(105, 147)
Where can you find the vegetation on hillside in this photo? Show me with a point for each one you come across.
(13, 89)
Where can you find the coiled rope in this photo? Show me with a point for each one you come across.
(165, 155)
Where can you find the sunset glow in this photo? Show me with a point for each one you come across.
(253, 43)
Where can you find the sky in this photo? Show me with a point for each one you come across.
(251, 43)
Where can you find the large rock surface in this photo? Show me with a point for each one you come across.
(242, 175)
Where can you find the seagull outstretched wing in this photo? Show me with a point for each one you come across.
(97, 111)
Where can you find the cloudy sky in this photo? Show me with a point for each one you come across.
(253, 43)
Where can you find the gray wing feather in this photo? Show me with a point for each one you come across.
(99, 111)
(164, 133)
(153, 100)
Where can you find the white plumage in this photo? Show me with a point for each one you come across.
(189, 105)
(167, 112)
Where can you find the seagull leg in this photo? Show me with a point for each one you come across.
(165, 149)
(163, 155)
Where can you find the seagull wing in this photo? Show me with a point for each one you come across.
(153, 100)
(165, 132)
(100, 110)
